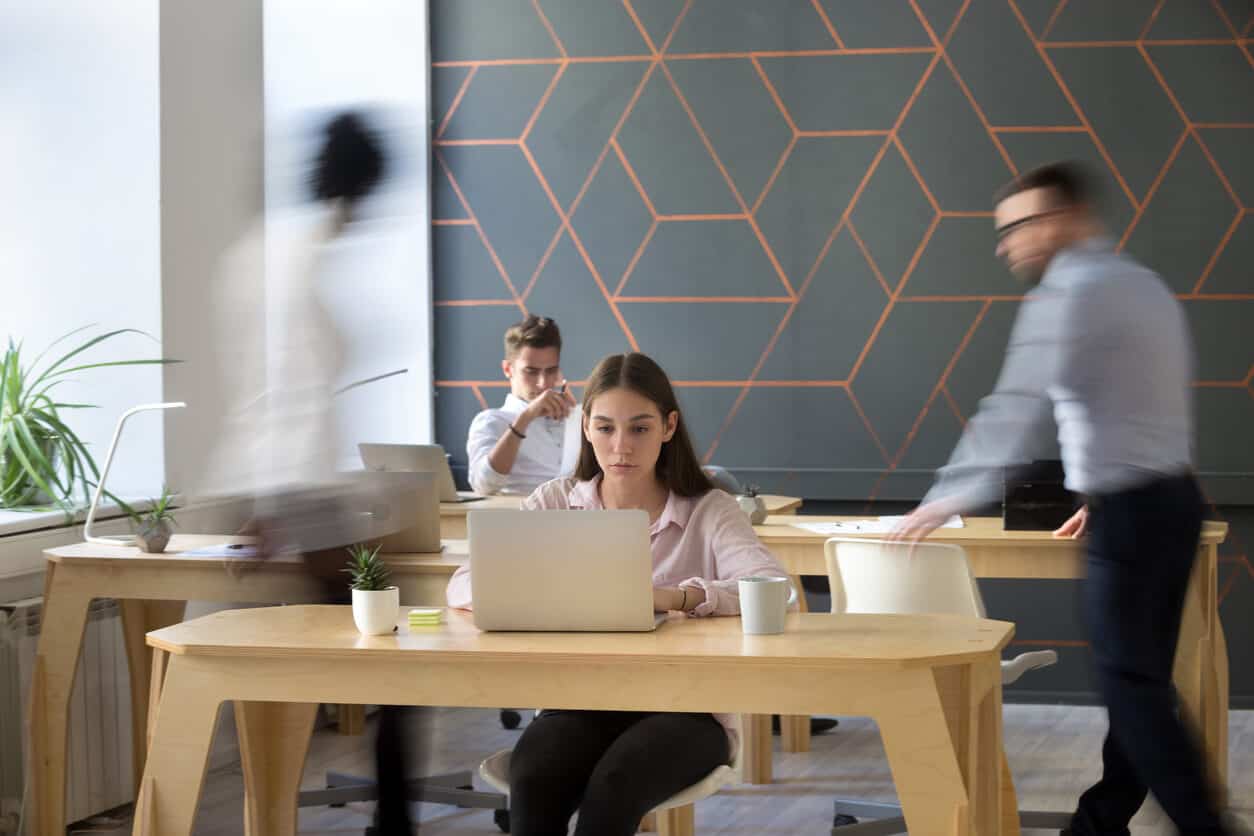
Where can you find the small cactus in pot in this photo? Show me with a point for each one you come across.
(752, 504)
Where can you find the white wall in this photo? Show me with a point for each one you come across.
(211, 193)
(322, 56)
(131, 154)
(79, 218)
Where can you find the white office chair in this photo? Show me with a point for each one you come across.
(879, 576)
(679, 819)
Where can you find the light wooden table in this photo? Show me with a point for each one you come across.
(453, 514)
(933, 683)
(1201, 667)
(152, 590)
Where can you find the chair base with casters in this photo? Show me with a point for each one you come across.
(877, 576)
(453, 788)
(675, 815)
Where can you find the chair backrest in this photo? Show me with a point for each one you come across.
(881, 576)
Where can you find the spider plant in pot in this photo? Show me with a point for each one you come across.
(376, 602)
(154, 526)
(43, 462)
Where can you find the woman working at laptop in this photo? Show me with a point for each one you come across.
(615, 766)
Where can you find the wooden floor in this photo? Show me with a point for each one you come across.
(1054, 753)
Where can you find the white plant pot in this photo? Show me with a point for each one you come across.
(375, 612)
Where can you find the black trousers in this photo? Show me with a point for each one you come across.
(611, 766)
(393, 745)
(1141, 547)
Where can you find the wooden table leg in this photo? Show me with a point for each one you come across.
(182, 734)
(677, 821)
(795, 728)
(1009, 800)
(273, 742)
(1201, 667)
(756, 757)
(138, 619)
(350, 719)
(160, 662)
(64, 618)
(942, 733)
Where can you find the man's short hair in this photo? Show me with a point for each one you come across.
(532, 332)
(1073, 183)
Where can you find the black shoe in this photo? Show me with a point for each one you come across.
(818, 725)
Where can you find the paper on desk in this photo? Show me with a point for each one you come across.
(881, 525)
(224, 550)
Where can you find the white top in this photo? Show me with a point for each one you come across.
(278, 371)
(550, 450)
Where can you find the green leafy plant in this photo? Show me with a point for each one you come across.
(368, 571)
(42, 460)
(159, 511)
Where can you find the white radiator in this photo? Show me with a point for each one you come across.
(100, 710)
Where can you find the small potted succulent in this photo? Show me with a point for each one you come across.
(154, 526)
(376, 602)
(752, 504)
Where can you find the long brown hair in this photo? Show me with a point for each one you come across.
(677, 465)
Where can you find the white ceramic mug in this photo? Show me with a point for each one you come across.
(763, 602)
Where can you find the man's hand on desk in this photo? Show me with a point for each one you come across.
(923, 520)
(1076, 527)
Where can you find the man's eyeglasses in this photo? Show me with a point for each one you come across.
(1003, 231)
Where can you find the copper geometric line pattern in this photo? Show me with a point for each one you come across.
(658, 58)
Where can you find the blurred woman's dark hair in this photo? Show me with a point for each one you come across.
(350, 161)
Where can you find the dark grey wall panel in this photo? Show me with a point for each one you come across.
(1007, 77)
(663, 145)
(571, 131)
(790, 208)
(1234, 271)
(594, 27)
(871, 24)
(1128, 109)
(567, 291)
(956, 157)
(704, 258)
(828, 330)
(1184, 221)
(499, 101)
(746, 130)
(812, 192)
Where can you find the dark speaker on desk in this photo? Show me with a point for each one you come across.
(1034, 498)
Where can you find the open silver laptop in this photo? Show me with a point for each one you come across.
(424, 458)
(588, 571)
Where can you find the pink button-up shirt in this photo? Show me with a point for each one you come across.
(704, 541)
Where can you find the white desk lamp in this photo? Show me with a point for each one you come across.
(128, 539)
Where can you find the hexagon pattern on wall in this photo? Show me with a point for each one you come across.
(777, 196)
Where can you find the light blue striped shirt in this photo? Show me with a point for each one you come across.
(1102, 341)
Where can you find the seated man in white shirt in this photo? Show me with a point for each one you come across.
(520, 446)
